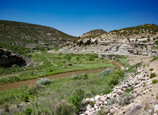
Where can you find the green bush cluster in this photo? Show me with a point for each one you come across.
(28, 111)
(41, 48)
(14, 48)
(155, 81)
(154, 58)
(114, 79)
(64, 108)
(129, 89)
(106, 71)
(112, 101)
(151, 69)
(6, 107)
(26, 98)
(152, 75)
(44, 81)
(82, 76)
(125, 99)
(74, 76)
(101, 112)
(76, 99)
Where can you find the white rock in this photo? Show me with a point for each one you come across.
(125, 86)
(88, 106)
(108, 96)
(97, 97)
(96, 107)
(112, 111)
(156, 108)
(92, 99)
(119, 92)
(105, 102)
(102, 98)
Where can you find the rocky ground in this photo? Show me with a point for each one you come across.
(142, 98)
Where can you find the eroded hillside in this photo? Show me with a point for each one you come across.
(139, 40)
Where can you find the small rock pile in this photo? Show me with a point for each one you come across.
(140, 84)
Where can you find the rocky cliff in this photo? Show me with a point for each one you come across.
(8, 58)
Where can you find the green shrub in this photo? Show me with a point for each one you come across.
(151, 69)
(6, 107)
(34, 90)
(112, 101)
(74, 76)
(41, 48)
(44, 81)
(124, 62)
(28, 111)
(101, 112)
(64, 108)
(84, 76)
(106, 71)
(129, 89)
(76, 99)
(154, 58)
(91, 58)
(125, 99)
(77, 58)
(26, 98)
(114, 80)
(92, 103)
(152, 75)
(155, 81)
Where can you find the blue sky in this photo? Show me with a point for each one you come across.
(76, 17)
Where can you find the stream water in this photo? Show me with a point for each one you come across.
(57, 76)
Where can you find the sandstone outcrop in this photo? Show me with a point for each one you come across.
(113, 46)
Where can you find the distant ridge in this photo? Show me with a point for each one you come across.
(32, 35)
(94, 33)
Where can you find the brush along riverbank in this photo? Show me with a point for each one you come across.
(50, 64)
(45, 98)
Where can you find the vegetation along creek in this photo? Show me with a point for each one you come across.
(44, 71)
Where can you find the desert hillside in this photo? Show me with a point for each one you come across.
(32, 35)
(93, 33)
